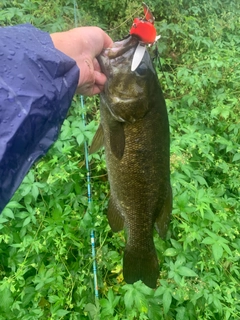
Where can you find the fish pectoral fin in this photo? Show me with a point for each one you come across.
(98, 140)
(117, 139)
(163, 219)
(115, 218)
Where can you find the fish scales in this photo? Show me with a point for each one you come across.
(135, 134)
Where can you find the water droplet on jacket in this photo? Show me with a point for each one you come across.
(12, 53)
(30, 159)
(21, 76)
(9, 57)
(10, 96)
(19, 115)
(1, 53)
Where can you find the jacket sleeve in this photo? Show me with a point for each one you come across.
(37, 84)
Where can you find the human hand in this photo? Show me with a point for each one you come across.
(83, 45)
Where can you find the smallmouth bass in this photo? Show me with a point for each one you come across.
(134, 131)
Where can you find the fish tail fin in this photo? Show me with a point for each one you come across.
(140, 266)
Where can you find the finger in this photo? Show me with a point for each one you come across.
(107, 41)
(97, 89)
(90, 89)
(96, 65)
(100, 78)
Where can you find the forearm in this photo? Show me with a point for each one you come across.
(37, 83)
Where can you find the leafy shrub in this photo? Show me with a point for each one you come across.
(45, 249)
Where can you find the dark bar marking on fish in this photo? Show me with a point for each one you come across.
(117, 139)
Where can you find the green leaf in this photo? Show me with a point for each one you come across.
(53, 298)
(26, 190)
(187, 272)
(129, 299)
(217, 303)
(26, 221)
(35, 191)
(6, 300)
(8, 213)
(217, 251)
(227, 249)
(167, 300)
(236, 157)
(2, 221)
(80, 139)
(160, 291)
(181, 313)
(208, 240)
(141, 302)
(201, 180)
(62, 312)
(29, 178)
(92, 310)
(170, 252)
(14, 204)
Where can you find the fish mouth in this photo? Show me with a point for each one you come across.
(122, 46)
(117, 50)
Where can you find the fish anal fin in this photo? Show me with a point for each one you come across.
(117, 139)
(115, 218)
(97, 141)
(163, 219)
(140, 266)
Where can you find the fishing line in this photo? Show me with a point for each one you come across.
(89, 191)
(157, 57)
(125, 21)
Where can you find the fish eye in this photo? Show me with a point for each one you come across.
(142, 69)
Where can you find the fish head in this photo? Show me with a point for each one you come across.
(127, 94)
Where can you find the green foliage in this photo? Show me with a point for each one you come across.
(45, 249)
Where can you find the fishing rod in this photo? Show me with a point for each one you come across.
(89, 189)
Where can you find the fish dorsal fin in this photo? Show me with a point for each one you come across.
(117, 139)
(115, 218)
(98, 140)
(163, 219)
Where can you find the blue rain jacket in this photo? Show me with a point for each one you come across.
(37, 84)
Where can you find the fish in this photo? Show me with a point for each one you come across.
(134, 130)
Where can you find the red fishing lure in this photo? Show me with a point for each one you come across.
(144, 28)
